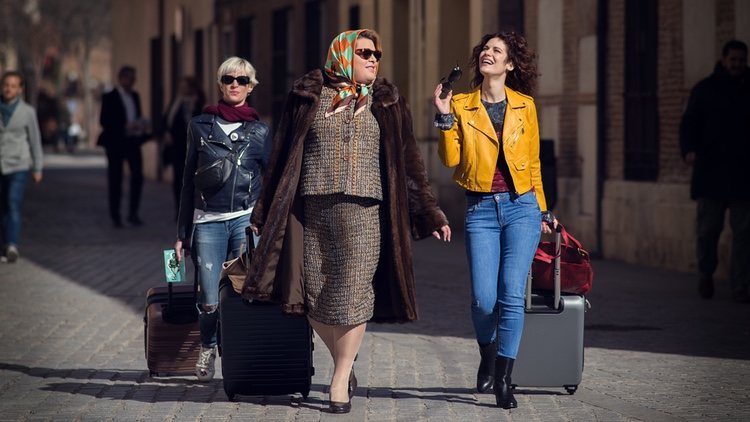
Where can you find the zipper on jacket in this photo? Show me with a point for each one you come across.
(208, 145)
(208, 166)
(217, 143)
(240, 153)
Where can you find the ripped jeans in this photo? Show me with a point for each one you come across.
(502, 233)
(213, 243)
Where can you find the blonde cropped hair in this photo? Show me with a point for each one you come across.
(238, 65)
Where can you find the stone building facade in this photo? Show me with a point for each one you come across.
(614, 79)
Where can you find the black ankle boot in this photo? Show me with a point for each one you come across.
(503, 391)
(486, 372)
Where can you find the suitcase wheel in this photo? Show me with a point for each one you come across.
(571, 389)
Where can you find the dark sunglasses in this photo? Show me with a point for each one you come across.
(366, 53)
(242, 80)
(448, 81)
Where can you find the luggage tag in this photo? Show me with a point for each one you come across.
(174, 271)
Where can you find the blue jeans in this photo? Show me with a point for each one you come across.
(502, 234)
(214, 243)
(12, 188)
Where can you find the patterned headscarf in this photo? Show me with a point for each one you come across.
(340, 71)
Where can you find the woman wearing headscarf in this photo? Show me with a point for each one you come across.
(345, 187)
(491, 136)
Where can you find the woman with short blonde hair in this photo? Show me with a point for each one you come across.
(239, 65)
(220, 186)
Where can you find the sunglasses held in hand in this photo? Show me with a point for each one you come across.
(366, 53)
(229, 79)
(448, 82)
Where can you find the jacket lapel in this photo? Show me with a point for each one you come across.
(478, 117)
(513, 122)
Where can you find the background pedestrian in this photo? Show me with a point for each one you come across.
(715, 141)
(20, 156)
(123, 131)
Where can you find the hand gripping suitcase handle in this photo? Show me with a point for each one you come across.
(558, 236)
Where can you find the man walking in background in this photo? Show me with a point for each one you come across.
(20, 155)
(715, 140)
(123, 132)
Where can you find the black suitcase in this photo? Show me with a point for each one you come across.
(551, 350)
(171, 334)
(263, 351)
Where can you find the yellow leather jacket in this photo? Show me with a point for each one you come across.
(471, 145)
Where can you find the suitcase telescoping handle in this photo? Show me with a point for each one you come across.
(195, 286)
(558, 236)
(195, 290)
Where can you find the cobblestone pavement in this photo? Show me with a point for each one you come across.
(72, 334)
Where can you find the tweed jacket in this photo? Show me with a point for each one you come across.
(342, 155)
(277, 270)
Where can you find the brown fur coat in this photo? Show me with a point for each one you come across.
(277, 270)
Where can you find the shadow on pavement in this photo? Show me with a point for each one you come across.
(137, 385)
(75, 373)
(156, 393)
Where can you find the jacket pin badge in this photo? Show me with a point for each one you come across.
(233, 136)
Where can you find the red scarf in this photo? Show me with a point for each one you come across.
(243, 113)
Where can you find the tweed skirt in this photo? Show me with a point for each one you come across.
(342, 248)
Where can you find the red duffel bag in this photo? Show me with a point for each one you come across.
(576, 273)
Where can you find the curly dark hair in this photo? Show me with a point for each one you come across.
(523, 76)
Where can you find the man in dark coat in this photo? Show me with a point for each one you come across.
(715, 140)
(276, 272)
(123, 132)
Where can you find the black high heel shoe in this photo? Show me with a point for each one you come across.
(339, 406)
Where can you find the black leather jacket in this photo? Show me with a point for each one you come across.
(222, 172)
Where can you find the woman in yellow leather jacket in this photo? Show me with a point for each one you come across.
(491, 137)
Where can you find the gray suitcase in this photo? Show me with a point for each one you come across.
(551, 351)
